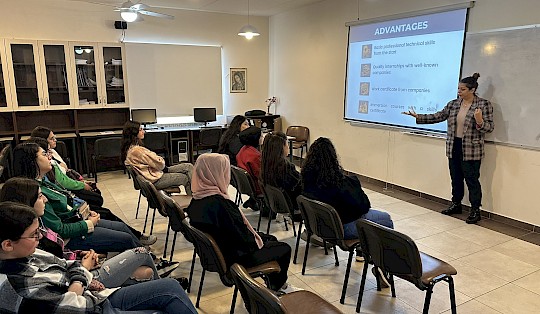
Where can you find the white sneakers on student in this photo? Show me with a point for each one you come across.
(288, 288)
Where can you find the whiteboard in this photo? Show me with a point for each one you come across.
(509, 65)
(174, 78)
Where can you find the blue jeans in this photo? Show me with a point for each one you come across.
(117, 270)
(377, 216)
(108, 236)
(164, 295)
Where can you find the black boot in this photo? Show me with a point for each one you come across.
(452, 210)
(474, 216)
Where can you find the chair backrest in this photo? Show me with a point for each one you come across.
(133, 174)
(322, 220)
(151, 193)
(301, 133)
(210, 136)
(390, 250)
(157, 141)
(4, 161)
(108, 147)
(61, 149)
(175, 213)
(244, 182)
(277, 199)
(260, 299)
(209, 253)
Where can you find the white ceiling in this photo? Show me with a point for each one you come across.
(256, 7)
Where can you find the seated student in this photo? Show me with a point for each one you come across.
(323, 180)
(230, 144)
(249, 159)
(149, 164)
(36, 281)
(126, 268)
(66, 215)
(46, 133)
(212, 211)
(277, 170)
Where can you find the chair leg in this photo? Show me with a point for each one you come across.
(285, 222)
(346, 280)
(427, 301)
(335, 256)
(362, 287)
(172, 246)
(192, 269)
(306, 254)
(146, 219)
(138, 205)
(259, 223)
(452, 295)
(297, 242)
(233, 304)
(153, 219)
(392, 286)
(325, 248)
(269, 221)
(293, 228)
(166, 239)
(200, 288)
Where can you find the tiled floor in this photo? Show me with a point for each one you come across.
(497, 271)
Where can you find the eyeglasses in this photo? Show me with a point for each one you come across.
(52, 138)
(38, 234)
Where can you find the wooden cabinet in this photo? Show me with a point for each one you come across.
(25, 91)
(99, 75)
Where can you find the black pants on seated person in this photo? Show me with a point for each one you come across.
(271, 251)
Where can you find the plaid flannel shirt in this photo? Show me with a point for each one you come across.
(473, 135)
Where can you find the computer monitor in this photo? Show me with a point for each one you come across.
(144, 116)
(204, 115)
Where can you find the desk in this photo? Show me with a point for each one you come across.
(85, 136)
(291, 139)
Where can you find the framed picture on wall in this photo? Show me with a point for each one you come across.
(238, 80)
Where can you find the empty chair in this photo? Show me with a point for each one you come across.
(212, 260)
(245, 185)
(259, 299)
(158, 142)
(5, 161)
(322, 220)
(61, 149)
(396, 254)
(208, 140)
(301, 137)
(279, 203)
(106, 148)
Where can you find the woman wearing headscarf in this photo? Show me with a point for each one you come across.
(213, 212)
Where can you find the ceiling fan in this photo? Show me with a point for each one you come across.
(131, 12)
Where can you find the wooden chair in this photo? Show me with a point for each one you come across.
(397, 254)
(322, 220)
(212, 260)
(301, 137)
(261, 300)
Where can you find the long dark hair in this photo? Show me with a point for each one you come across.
(129, 137)
(44, 144)
(273, 162)
(41, 131)
(15, 218)
(20, 190)
(321, 167)
(25, 160)
(232, 131)
(471, 81)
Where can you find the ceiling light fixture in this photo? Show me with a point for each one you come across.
(129, 15)
(248, 31)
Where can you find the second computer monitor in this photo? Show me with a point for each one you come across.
(204, 115)
(144, 116)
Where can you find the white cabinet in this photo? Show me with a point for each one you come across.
(99, 74)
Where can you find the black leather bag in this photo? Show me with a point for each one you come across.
(254, 113)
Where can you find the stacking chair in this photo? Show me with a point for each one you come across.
(176, 214)
(61, 149)
(212, 260)
(5, 161)
(154, 202)
(397, 254)
(106, 148)
(322, 220)
(208, 139)
(301, 135)
(245, 185)
(259, 299)
(279, 203)
(158, 142)
(133, 175)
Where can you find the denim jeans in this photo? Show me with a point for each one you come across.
(117, 270)
(377, 216)
(164, 295)
(108, 236)
(177, 175)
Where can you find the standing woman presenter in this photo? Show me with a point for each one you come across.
(469, 118)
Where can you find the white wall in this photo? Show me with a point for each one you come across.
(307, 73)
(80, 21)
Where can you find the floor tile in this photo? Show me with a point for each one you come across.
(450, 244)
(511, 299)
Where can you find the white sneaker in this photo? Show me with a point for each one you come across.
(288, 288)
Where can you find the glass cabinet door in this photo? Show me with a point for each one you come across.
(3, 94)
(114, 75)
(24, 73)
(56, 75)
(86, 77)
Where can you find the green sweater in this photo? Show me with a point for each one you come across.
(57, 212)
(64, 181)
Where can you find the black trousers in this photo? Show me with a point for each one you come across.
(464, 170)
(271, 251)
